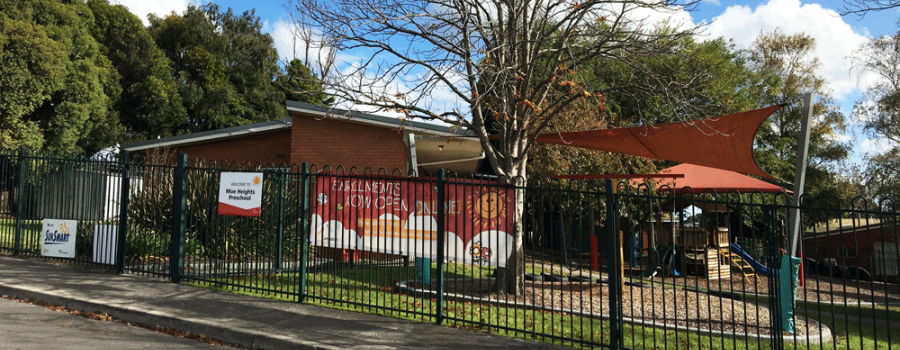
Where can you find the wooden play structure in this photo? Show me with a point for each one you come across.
(708, 251)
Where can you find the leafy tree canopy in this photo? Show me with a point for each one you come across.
(786, 63)
(880, 111)
(150, 104)
(224, 65)
(298, 83)
(59, 88)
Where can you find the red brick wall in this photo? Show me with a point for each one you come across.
(336, 142)
(829, 246)
(319, 142)
(261, 147)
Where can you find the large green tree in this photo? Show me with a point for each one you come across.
(298, 83)
(880, 111)
(59, 88)
(149, 105)
(225, 67)
(787, 63)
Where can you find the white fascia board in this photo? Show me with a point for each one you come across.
(454, 160)
(209, 137)
(340, 116)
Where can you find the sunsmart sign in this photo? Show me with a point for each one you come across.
(58, 238)
(399, 216)
(240, 194)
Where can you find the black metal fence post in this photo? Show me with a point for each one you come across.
(279, 248)
(613, 259)
(305, 222)
(441, 217)
(773, 259)
(179, 202)
(20, 203)
(122, 231)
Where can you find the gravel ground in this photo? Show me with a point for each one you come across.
(687, 305)
(815, 288)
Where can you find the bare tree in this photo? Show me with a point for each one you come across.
(513, 66)
(861, 7)
(316, 53)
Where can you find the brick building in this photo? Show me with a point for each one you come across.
(325, 136)
(872, 247)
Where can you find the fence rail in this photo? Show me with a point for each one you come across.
(580, 263)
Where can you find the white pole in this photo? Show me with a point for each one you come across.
(800, 171)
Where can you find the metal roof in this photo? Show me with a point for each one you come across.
(209, 135)
(355, 116)
(302, 108)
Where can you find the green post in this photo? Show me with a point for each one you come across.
(613, 259)
(423, 270)
(441, 218)
(788, 277)
(179, 202)
(122, 231)
(304, 230)
(20, 203)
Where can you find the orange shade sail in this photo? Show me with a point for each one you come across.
(701, 179)
(724, 142)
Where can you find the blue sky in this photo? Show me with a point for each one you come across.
(741, 21)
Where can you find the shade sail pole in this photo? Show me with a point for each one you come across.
(800, 171)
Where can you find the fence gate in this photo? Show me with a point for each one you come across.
(60, 206)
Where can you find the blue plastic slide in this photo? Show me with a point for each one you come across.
(760, 268)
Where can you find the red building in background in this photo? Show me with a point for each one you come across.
(872, 247)
(325, 136)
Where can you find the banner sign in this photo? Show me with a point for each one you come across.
(58, 238)
(240, 194)
(399, 216)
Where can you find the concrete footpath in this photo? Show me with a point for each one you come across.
(247, 321)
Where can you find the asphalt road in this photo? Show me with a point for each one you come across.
(27, 326)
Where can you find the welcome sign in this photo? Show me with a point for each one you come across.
(399, 216)
(58, 238)
(240, 194)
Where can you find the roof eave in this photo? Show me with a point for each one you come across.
(383, 121)
(209, 135)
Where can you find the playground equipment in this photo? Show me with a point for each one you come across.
(755, 265)
(703, 251)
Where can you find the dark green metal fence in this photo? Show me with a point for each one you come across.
(593, 265)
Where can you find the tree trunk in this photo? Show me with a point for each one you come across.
(511, 279)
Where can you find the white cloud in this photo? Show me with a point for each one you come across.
(160, 8)
(876, 146)
(835, 39)
(676, 17)
(838, 137)
(713, 2)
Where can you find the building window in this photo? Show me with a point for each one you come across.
(847, 252)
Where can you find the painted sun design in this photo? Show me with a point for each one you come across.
(486, 208)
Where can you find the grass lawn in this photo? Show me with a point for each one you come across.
(372, 291)
(31, 230)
